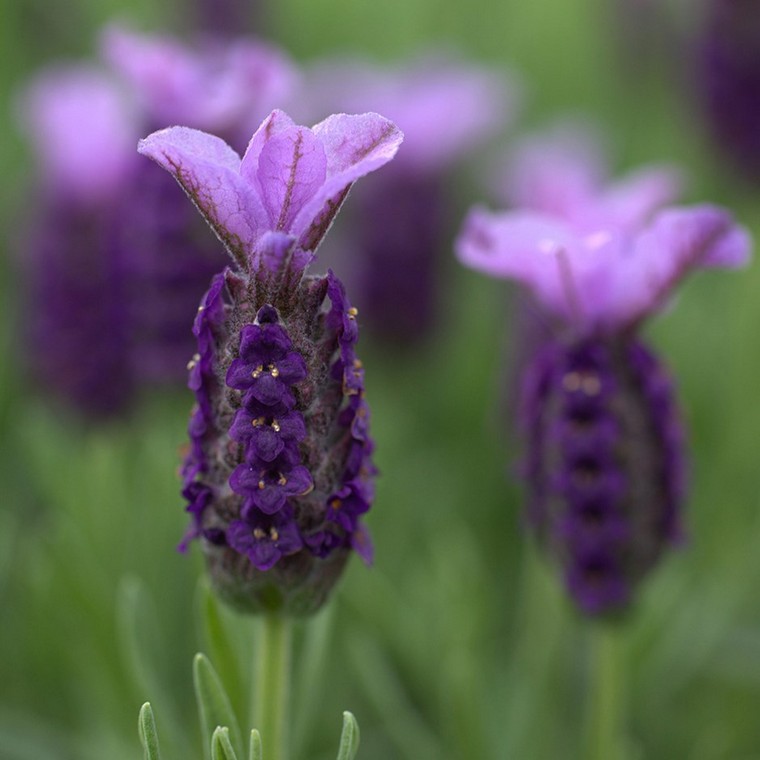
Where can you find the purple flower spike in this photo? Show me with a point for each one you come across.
(604, 455)
(279, 472)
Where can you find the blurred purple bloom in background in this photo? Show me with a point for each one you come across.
(727, 80)
(604, 459)
(115, 261)
(389, 248)
(78, 332)
(279, 469)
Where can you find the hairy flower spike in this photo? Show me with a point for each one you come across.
(279, 470)
(604, 460)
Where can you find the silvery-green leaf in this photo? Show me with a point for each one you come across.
(255, 752)
(214, 708)
(221, 748)
(349, 738)
(146, 726)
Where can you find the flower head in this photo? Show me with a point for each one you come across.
(279, 469)
(604, 447)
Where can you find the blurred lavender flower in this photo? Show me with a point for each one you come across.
(728, 80)
(605, 462)
(78, 335)
(389, 253)
(279, 469)
(117, 261)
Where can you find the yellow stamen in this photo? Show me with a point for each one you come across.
(353, 313)
(275, 426)
(258, 534)
(273, 534)
(257, 372)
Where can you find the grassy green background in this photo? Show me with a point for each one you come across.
(458, 643)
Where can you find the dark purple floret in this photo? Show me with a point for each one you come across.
(268, 488)
(728, 81)
(267, 433)
(604, 464)
(264, 539)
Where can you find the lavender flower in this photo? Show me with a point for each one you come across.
(728, 81)
(279, 469)
(390, 251)
(109, 305)
(77, 332)
(604, 463)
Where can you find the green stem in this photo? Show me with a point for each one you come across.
(273, 685)
(605, 731)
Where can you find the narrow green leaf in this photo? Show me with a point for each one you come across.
(146, 726)
(214, 708)
(221, 748)
(349, 738)
(255, 752)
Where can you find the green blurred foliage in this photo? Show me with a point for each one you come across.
(458, 643)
